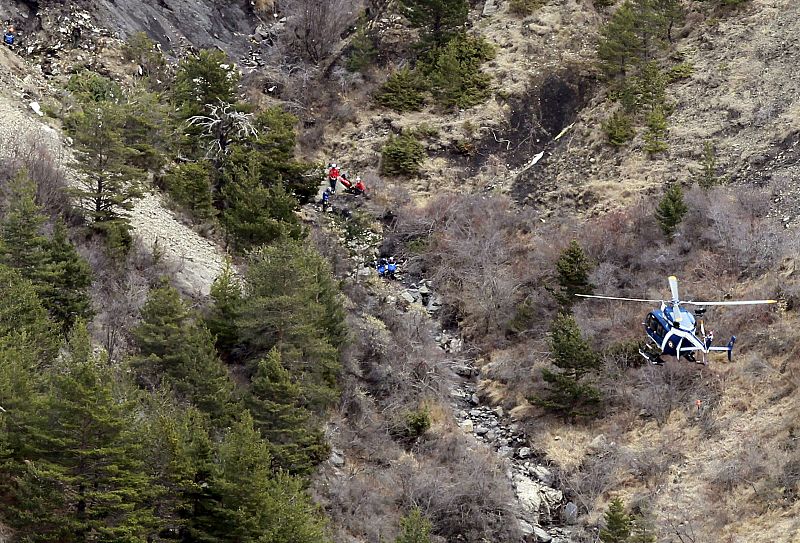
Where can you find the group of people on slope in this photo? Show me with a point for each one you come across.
(335, 177)
(386, 267)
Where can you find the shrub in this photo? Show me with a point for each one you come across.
(363, 51)
(656, 131)
(707, 177)
(455, 75)
(684, 70)
(524, 7)
(93, 87)
(417, 423)
(619, 129)
(190, 186)
(403, 91)
(402, 155)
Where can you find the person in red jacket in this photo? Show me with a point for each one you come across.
(333, 175)
(359, 187)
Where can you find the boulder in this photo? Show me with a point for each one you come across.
(541, 535)
(481, 430)
(570, 513)
(542, 474)
(524, 452)
(337, 458)
(529, 495)
(525, 527)
(490, 8)
(467, 426)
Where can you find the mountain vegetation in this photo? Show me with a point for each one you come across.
(517, 154)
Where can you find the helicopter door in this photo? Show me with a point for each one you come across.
(654, 328)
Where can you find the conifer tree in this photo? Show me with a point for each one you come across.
(618, 523)
(174, 345)
(414, 528)
(707, 177)
(670, 211)
(59, 275)
(109, 184)
(84, 479)
(226, 292)
(206, 78)
(573, 267)
(292, 303)
(295, 445)
(620, 44)
(255, 214)
(66, 279)
(24, 322)
(437, 18)
(568, 393)
(262, 506)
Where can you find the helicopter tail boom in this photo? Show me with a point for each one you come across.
(728, 348)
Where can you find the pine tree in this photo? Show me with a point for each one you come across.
(573, 267)
(295, 445)
(174, 345)
(207, 78)
(414, 528)
(261, 506)
(437, 18)
(292, 303)
(24, 322)
(618, 523)
(708, 177)
(567, 393)
(67, 278)
(109, 184)
(190, 186)
(255, 214)
(670, 210)
(226, 292)
(84, 479)
(620, 43)
(24, 247)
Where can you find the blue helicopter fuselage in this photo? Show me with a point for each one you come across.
(667, 333)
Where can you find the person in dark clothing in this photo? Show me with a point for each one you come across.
(391, 268)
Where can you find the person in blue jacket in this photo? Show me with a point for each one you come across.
(326, 199)
(382, 267)
(391, 267)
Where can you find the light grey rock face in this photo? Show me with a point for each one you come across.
(570, 513)
(541, 535)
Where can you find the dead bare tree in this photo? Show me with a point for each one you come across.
(315, 27)
(222, 126)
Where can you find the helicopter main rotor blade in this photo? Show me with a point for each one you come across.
(734, 302)
(620, 299)
(673, 287)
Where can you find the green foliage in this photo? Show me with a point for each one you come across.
(255, 504)
(403, 91)
(573, 268)
(620, 44)
(684, 70)
(291, 303)
(59, 275)
(295, 444)
(362, 51)
(670, 211)
(417, 422)
(708, 177)
(524, 8)
(603, 3)
(144, 52)
(654, 138)
(206, 78)
(226, 293)
(147, 129)
(414, 528)
(567, 392)
(191, 187)
(455, 76)
(275, 145)
(402, 155)
(90, 86)
(438, 19)
(617, 527)
(80, 475)
(255, 214)
(619, 129)
(176, 348)
(109, 184)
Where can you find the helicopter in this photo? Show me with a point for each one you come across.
(673, 331)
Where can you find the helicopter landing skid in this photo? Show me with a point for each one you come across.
(654, 359)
